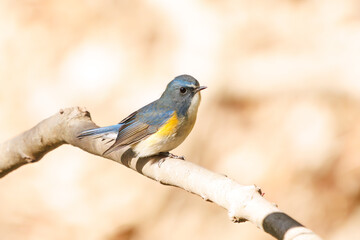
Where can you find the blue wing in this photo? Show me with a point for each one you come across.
(139, 125)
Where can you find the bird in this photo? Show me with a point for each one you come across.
(158, 127)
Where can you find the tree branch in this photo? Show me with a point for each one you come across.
(242, 202)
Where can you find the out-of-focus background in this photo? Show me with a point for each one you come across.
(281, 111)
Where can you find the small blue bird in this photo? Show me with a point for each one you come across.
(158, 127)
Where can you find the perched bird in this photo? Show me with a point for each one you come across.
(158, 127)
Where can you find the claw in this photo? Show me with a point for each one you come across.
(170, 155)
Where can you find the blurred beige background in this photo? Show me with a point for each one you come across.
(281, 111)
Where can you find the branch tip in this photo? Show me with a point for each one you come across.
(238, 220)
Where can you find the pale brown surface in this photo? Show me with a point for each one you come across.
(281, 109)
(243, 203)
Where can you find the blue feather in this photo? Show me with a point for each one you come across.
(101, 132)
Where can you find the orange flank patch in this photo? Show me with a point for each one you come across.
(169, 127)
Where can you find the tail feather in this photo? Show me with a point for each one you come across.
(109, 132)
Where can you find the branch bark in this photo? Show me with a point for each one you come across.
(244, 203)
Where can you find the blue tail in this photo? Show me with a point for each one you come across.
(109, 132)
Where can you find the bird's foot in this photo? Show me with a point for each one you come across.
(170, 155)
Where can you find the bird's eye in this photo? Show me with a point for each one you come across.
(183, 90)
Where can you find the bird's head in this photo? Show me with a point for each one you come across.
(182, 94)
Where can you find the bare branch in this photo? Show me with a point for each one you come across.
(242, 202)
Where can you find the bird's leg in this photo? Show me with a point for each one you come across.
(168, 154)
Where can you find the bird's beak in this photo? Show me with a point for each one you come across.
(198, 89)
